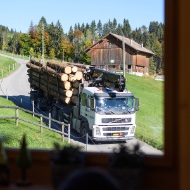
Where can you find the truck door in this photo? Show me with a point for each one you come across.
(87, 109)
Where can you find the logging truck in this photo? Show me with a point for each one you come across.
(94, 102)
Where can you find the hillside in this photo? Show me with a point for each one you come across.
(150, 117)
(13, 134)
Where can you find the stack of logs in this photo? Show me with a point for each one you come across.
(58, 80)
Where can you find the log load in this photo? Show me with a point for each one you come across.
(59, 80)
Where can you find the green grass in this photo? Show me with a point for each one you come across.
(15, 55)
(150, 117)
(7, 66)
(14, 133)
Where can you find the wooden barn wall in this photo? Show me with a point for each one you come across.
(110, 49)
(140, 63)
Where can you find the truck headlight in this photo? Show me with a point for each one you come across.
(132, 129)
(98, 131)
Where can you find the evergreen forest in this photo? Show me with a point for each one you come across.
(51, 41)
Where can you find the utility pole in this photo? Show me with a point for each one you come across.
(123, 44)
(42, 42)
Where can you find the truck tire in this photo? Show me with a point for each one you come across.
(54, 112)
(85, 129)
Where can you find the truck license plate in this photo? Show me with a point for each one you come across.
(115, 134)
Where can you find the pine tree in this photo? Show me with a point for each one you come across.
(114, 25)
(99, 28)
(93, 29)
(126, 28)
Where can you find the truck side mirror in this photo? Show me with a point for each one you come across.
(136, 104)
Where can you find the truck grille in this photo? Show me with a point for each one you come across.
(116, 120)
(115, 128)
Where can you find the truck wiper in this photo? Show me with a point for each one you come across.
(125, 112)
(109, 112)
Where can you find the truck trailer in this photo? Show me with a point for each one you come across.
(101, 105)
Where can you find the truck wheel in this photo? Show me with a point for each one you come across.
(54, 112)
(85, 129)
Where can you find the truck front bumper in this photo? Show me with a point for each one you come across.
(113, 133)
(109, 139)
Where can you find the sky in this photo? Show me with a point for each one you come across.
(18, 14)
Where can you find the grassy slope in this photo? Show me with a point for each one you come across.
(14, 133)
(150, 117)
(5, 64)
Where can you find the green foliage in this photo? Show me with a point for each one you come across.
(79, 38)
(52, 53)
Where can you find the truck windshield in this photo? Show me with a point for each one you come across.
(115, 106)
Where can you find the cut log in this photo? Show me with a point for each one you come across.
(33, 67)
(66, 85)
(67, 93)
(35, 62)
(66, 100)
(74, 68)
(75, 84)
(60, 67)
(74, 99)
(72, 78)
(53, 73)
(74, 91)
(78, 75)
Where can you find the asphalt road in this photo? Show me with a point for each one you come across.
(16, 88)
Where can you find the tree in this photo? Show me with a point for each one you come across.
(13, 43)
(71, 34)
(52, 53)
(88, 39)
(43, 22)
(110, 26)
(66, 51)
(106, 29)
(93, 29)
(35, 39)
(126, 28)
(114, 29)
(153, 27)
(24, 44)
(119, 29)
(78, 44)
(99, 28)
(158, 57)
(55, 37)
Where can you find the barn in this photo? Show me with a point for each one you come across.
(107, 53)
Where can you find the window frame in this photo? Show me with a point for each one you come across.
(168, 164)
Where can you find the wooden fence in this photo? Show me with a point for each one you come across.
(40, 124)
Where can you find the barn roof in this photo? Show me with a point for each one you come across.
(134, 45)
